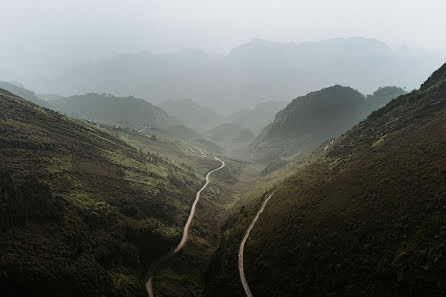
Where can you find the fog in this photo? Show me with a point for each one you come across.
(43, 40)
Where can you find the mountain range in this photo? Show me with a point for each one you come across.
(363, 216)
(251, 73)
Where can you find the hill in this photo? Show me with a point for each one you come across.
(20, 91)
(129, 112)
(365, 217)
(230, 133)
(316, 117)
(196, 116)
(258, 117)
(83, 212)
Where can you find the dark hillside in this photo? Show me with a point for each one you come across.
(129, 112)
(310, 120)
(365, 219)
(82, 212)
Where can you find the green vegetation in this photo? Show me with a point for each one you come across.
(355, 219)
(316, 117)
(85, 210)
(129, 112)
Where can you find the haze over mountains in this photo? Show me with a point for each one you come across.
(21, 91)
(251, 73)
(154, 148)
(365, 217)
(196, 116)
(316, 117)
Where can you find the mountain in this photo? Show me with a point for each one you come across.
(251, 73)
(316, 117)
(381, 97)
(83, 212)
(230, 133)
(196, 116)
(127, 112)
(258, 117)
(19, 90)
(50, 97)
(364, 216)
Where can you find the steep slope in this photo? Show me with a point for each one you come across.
(318, 116)
(128, 112)
(366, 218)
(24, 93)
(82, 213)
(196, 116)
(257, 117)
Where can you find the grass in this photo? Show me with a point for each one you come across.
(379, 141)
(99, 209)
(357, 220)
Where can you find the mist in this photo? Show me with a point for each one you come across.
(70, 40)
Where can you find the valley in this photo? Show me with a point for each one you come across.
(336, 193)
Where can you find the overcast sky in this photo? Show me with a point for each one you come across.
(105, 27)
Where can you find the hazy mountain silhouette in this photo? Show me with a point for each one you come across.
(251, 73)
(230, 133)
(19, 90)
(194, 115)
(258, 117)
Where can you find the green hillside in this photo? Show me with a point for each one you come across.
(23, 93)
(365, 218)
(84, 211)
(316, 117)
(127, 112)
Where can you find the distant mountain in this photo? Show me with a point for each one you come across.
(196, 116)
(318, 116)
(251, 73)
(19, 90)
(258, 117)
(230, 133)
(365, 217)
(50, 97)
(127, 112)
(381, 97)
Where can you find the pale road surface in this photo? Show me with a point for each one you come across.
(242, 247)
(191, 149)
(201, 151)
(149, 286)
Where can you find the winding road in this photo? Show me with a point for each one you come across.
(242, 247)
(149, 286)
